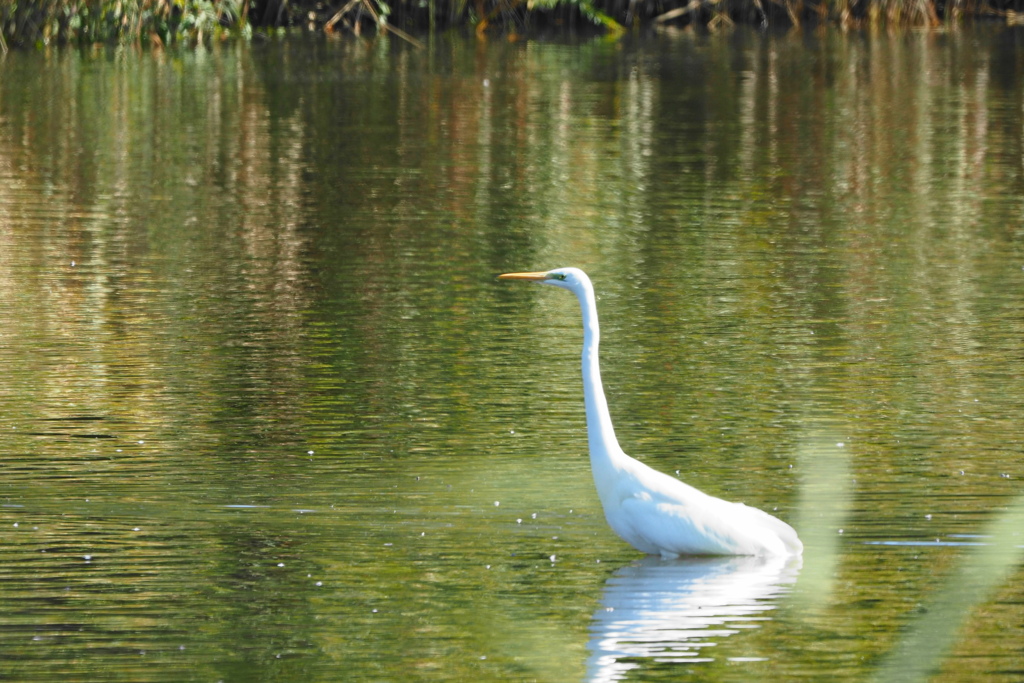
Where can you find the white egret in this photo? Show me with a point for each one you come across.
(653, 512)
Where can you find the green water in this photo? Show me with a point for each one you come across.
(267, 415)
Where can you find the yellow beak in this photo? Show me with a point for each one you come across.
(535, 277)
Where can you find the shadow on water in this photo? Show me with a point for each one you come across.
(669, 611)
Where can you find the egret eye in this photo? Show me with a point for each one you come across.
(556, 276)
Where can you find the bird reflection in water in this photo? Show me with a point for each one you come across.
(671, 611)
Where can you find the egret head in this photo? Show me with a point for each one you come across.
(572, 279)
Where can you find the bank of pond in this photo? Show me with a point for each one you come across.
(158, 23)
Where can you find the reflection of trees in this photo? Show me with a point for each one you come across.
(175, 289)
(175, 329)
(295, 242)
(822, 235)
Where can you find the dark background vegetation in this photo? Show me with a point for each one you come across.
(162, 22)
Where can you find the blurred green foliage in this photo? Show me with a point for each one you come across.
(160, 22)
(43, 22)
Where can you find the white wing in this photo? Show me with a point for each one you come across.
(659, 514)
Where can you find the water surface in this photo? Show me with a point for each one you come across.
(267, 415)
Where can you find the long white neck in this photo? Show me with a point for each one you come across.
(604, 448)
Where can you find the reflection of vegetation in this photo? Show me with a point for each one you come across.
(291, 248)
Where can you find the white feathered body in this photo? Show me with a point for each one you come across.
(650, 510)
(661, 515)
